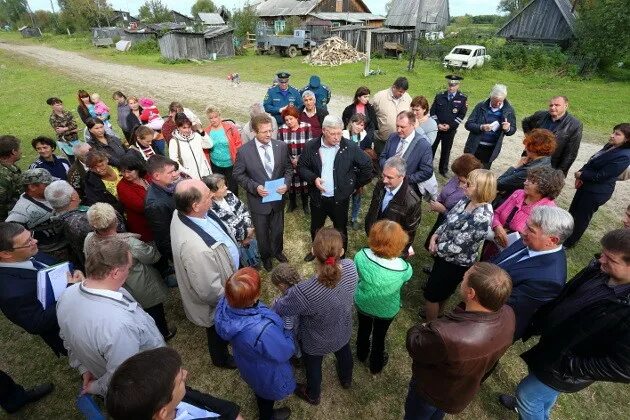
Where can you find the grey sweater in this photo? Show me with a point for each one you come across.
(101, 329)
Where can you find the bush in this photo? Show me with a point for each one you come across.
(531, 58)
(146, 47)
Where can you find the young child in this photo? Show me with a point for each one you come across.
(101, 109)
(150, 114)
(142, 140)
(285, 276)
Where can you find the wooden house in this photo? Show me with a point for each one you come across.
(181, 45)
(220, 41)
(211, 19)
(356, 35)
(403, 14)
(122, 19)
(546, 21)
(177, 17)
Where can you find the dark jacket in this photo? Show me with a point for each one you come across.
(371, 121)
(84, 114)
(599, 174)
(132, 122)
(535, 281)
(514, 179)
(452, 354)
(568, 137)
(19, 303)
(113, 149)
(478, 117)
(448, 112)
(592, 345)
(352, 169)
(261, 346)
(404, 208)
(159, 206)
(320, 113)
(418, 157)
(95, 192)
(227, 410)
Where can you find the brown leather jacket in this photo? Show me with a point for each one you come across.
(452, 355)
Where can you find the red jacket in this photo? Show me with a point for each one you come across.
(132, 197)
(233, 136)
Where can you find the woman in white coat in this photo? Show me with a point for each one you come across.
(186, 147)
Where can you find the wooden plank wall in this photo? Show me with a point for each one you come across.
(175, 46)
(541, 21)
(222, 45)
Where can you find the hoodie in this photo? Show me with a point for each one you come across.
(261, 347)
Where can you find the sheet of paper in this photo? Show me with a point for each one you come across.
(58, 275)
(511, 238)
(495, 125)
(185, 411)
(271, 187)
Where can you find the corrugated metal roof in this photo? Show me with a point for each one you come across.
(404, 13)
(211, 18)
(348, 17)
(217, 30)
(272, 8)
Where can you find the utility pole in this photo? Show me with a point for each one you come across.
(416, 37)
(368, 51)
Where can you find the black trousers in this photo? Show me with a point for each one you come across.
(338, 213)
(269, 231)
(440, 219)
(583, 207)
(446, 138)
(157, 313)
(217, 347)
(377, 329)
(12, 395)
(313, 365)
(484, 153)
(229, 179)
(265, 408)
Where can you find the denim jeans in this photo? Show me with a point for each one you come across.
(417, 408)
(534, 399)
(356, 206)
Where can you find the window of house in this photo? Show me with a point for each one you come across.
(279, 26)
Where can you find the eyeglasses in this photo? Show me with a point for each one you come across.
(30, 243)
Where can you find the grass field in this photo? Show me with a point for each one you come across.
(24, 113)
(598, 102)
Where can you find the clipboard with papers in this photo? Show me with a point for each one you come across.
(51, 282)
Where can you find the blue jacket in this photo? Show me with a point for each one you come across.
(448, 112)
(261, 346)
(418, 156)
(600, 173)
(535, 281)
(275, 99)
(19, 303)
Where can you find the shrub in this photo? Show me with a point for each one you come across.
(146, 47)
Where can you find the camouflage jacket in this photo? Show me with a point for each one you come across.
(65, 120)
(9, 188)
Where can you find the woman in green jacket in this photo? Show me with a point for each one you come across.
(382, 273)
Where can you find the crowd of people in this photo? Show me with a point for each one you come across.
(164, 206)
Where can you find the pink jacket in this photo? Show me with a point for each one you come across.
(517, 199)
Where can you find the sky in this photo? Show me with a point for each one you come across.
(458, 7)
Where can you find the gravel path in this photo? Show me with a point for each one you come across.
(196, 91)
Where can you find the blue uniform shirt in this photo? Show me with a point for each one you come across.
(276, 99)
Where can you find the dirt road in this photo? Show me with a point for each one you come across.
(197, 91)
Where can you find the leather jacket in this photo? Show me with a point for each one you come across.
(591, 345)
(452, 355)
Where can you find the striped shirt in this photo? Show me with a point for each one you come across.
(325, 315)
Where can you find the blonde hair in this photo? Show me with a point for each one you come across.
(485, 183)
(102, 216)
(95, 97)
(211, 109)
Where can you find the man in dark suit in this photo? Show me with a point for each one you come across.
(334, 168)
(537, 263)
(413, 147)
(394, 199)
(18, 285)
(566, 127)
(259, 161)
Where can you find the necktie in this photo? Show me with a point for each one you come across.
(450, 96)
(267, 160)
(400, 147)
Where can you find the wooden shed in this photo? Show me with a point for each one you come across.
(105, 36)
(138, 36)
(220, 41)
(546, 21)
(403, 14)
(180, 45)
(30, 32)
(355, 35)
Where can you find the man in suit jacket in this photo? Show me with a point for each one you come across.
(394, 199)
(333, 168)
(258, 161)
(415, 148)
(537, 263)
(205, 255)
(18, 285)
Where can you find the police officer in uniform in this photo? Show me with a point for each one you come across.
(280, 96)
(448, 110)
(321, 92)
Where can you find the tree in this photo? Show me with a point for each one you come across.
(602, 35)
(84, 14)
(244, 21)
(203, 6)
(12, 10)
(154, 11)
(511, 7)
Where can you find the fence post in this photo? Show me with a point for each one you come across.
(368, 52)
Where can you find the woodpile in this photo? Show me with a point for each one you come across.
(334, 52)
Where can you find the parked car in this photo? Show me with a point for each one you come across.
(466, 56)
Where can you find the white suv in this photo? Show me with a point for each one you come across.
(466, 56)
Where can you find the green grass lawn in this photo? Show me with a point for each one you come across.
(25, 87)
(600, 103)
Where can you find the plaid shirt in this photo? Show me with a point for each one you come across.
(296, 140)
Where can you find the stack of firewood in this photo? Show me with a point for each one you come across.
(334, 52)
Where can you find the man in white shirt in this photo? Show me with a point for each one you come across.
(388, 103)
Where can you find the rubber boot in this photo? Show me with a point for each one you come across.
(305, 203)
(292, 203)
